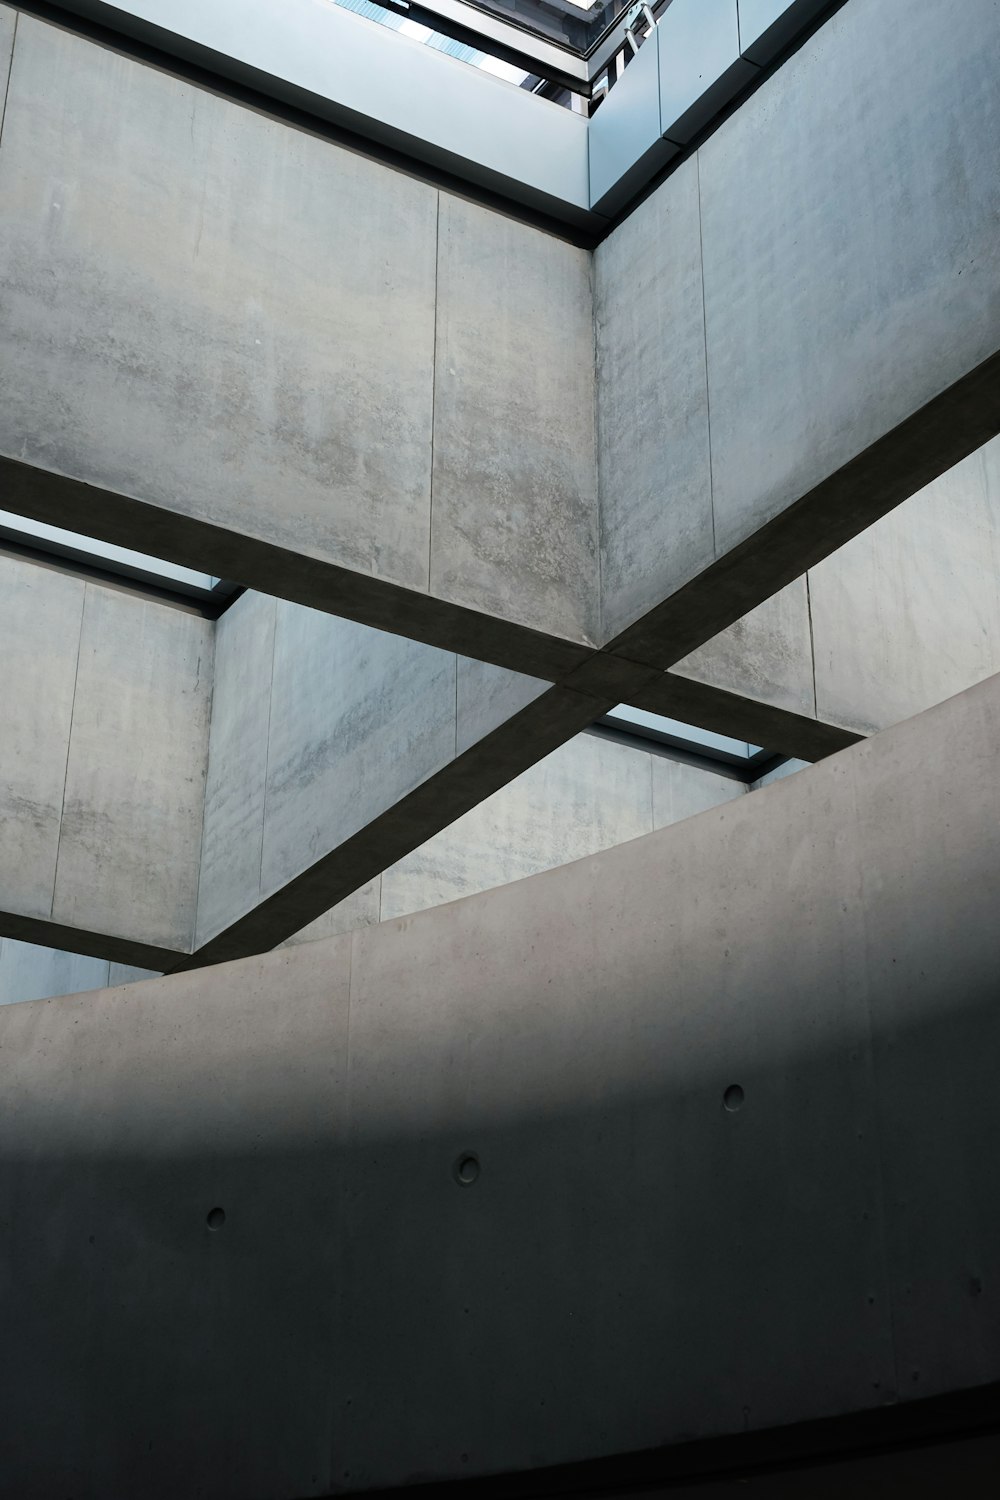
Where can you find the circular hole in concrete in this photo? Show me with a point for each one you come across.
(216, 1218)
(733, 1098)
(467, 1169)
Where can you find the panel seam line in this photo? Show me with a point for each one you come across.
(267, 755)
(704, 334)
(10, 69)
(69, 746)
(434, 366)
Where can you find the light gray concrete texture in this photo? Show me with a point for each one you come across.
(103, 741)
(766, 26)
(767, 655)
(130, 835)
(246, 312)
(31, 973)
(909, 611)
(268, 388)
(358, 720)
(514, 519)
(590, 794)
(835, 260)
(8, 23)
(40, 618)
(636, 1263)
(389, 88)
(336, 749)
(153, 1354)
(28, 972)
(851, 322)
(653, 448)
(233, 828)
(904, 615)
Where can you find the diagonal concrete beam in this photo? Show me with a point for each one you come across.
(188, 369)
(418, 453)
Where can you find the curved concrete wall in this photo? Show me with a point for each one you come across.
(645, 1255)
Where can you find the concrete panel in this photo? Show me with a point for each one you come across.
(642, 1258)
(514, 493)
(40, 615)
(361, 909)
(187, 319)
(148, 1353)
(358, 719)
(698, 47)
(767, 26)
(909, 612)
(487, 696)
(130, 840)
(656, 494)
(681, 791)
(237, 763)
(8, 21)
(767, 655)
(839, 253)
(588, 795)
(126, 974)
(30, 973)
(634, 1264)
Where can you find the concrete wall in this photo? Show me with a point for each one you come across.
(30, 972)
(103, 746)
(904, 615)
(637, 1262)
(773, 314)
(588, 795)
(237, 323)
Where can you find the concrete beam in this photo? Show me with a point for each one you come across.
(825, 1247)
(273, 403)
(904, 615)
(335, 751)
(212, 448)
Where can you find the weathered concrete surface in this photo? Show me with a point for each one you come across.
(330, 504)
(268, 392)
(904, 615)
(28, 972)
(103, 744)
(635, 1264)
(588, 795)
(653, 433)
(164, 1113)
(851, 318)
(8, 22)
(334, 750)
(130, 836)
(233, 831)
(909, 612)
(40, 616)
(229, 366)
(514, 519)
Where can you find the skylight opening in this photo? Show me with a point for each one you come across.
(73, 546)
